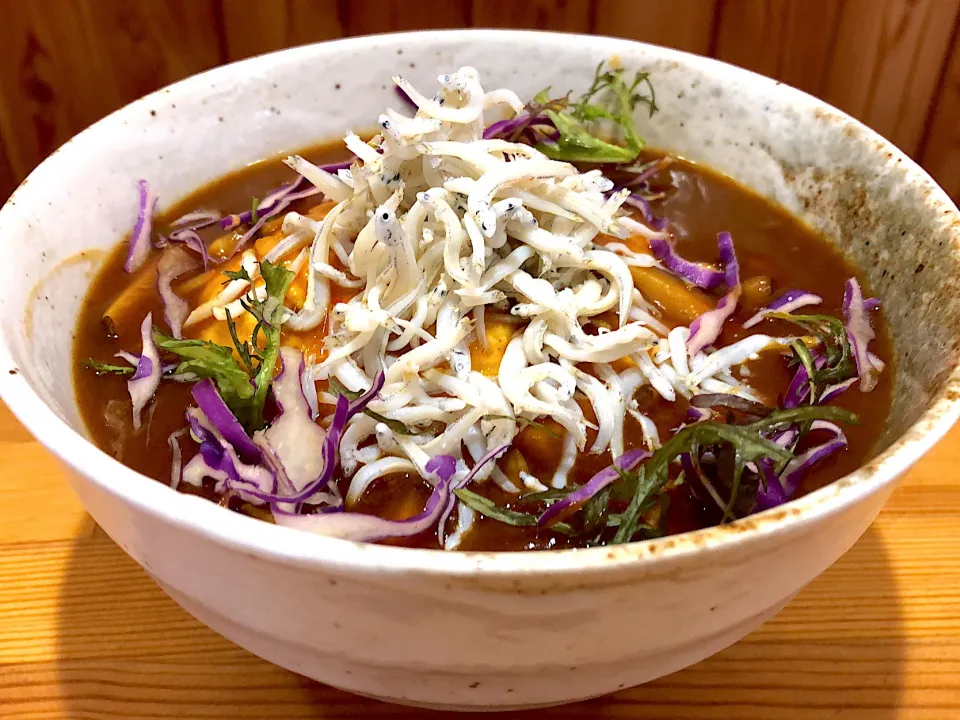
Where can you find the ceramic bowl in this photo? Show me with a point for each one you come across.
(477, 630)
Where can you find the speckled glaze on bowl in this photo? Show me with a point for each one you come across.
(478, 630)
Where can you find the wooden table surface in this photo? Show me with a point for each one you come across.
(85, 634)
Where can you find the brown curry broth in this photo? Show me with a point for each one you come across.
(769, 242)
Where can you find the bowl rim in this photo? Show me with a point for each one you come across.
(295, 547)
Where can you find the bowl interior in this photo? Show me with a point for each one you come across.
(872, 201)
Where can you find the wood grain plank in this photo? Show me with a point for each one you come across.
(144, 46)
(362, 17)
(887, 62)
(567, 15)
(43, 508)
(68, 63)
(253, 27)
(95, 638)
(682, 24)
(790, 40)
(941, 147)
(34, 116)
(8, 180)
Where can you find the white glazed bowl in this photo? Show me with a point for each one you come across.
(463, 630)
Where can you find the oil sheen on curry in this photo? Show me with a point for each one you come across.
(494, 325)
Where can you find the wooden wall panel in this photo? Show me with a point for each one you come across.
(45, 95)
(682, 24)
(941, 149)
(361, 17)
(254, 27)
(790, 40)
(570, 15)
(138, 45)
(887, 62)
(66, 63)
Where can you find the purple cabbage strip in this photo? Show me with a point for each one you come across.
(190, 239)
(560, 509)
(218, 454)
(798, 468)
(297, 438)
(643, 205)
(859, 332)
(266, 208)
(523, 122)
(503, 127)
(773, 495)
(176, 464)
(273, 204)
(331, 445)
(700, 275)
(212, 405)
(146, 379)
(220, 416)
(140, 245)
(195, 220)
(799, 386)
(370, 528)
(361, 401)
(467, 479)
(654, 168)
(788, 302)
(173, 263)
(705, 329)
(336, 167)
(832, 391)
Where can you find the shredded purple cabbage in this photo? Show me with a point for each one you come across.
(788, 302)
(140, 245)
(643, 205)
(575, 500)
(799, 467)
(190, 239)
(466, 480)
(859, 332)
(705, 329)
(146, 379)
(370, 528)
(173, 263)
(700, 275)
(215, 409)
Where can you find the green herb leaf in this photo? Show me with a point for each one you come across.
(747, 442)
(595, 511)
(546, 496)
(102, 368)
(269, 315)
(839, 364)
(785, 418)
(209, 360)
(490, 509)
(576, 144)
(240, 274)
(619, 101)
(254, 216)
